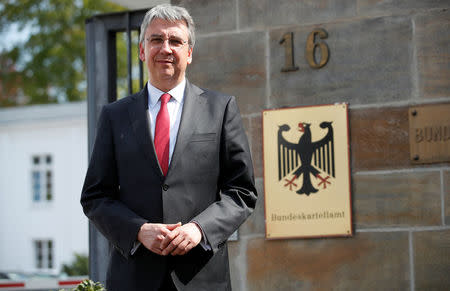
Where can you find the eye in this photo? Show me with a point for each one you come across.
(175, 43)
(156, 40)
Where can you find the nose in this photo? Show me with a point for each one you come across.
(165, 47)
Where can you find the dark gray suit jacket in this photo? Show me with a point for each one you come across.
(210, 180)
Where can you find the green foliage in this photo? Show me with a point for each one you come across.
(78, 267)
(88, 285)
(50, 66)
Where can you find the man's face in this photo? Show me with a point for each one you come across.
(166, 66)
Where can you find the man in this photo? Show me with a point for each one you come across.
(170, 177)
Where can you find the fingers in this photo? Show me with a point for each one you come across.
(156, 250)
(174, 244)
(168, 234)
(182, 240)
(182, 248)
(152, 234)
(165, 239)
(173, 226)
(168, 238)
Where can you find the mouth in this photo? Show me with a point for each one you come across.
(165, 61)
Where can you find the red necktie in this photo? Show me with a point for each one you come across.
(162, 134)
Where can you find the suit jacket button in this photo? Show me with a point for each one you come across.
(165, 187)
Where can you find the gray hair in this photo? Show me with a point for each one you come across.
(169, 13)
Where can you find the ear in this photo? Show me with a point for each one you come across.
(141, 52)
(189, 58)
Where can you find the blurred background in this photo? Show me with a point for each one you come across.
(43, 136)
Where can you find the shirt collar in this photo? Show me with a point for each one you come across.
(154, 93)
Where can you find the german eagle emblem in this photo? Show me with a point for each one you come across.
(306, 158)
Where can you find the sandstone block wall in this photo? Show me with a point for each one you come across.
(385, 56)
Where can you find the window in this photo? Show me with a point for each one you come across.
(42, 178)
(44, 254)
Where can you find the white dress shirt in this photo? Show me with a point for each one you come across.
(174, 106)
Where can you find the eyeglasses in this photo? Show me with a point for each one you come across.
(157, 42)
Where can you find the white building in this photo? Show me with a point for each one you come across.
(43, 161)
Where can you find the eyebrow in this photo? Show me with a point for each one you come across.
(170, 37)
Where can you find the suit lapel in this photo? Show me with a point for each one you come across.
(189, 117)
(137, 112)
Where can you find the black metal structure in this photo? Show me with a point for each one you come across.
(101, 58)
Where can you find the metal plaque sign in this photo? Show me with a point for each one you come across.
(429, 133)
(307, 172)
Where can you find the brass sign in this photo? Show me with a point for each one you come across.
(288, 43)
(429, 133)
(314, 42)
(311, 46)
(307, 172)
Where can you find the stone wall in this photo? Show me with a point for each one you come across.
(384, 57)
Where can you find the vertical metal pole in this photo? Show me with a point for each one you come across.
(111, 64)
(101, 81)
(141, 71)
(129, 76)
(101, 63)
(90, 64)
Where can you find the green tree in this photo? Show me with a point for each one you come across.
(78, 267)
(10, 81)
(50, 65)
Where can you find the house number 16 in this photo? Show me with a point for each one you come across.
(311, 44)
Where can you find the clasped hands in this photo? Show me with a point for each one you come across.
(173, 239)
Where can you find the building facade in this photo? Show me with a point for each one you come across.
(384, 58)
(43, 160)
